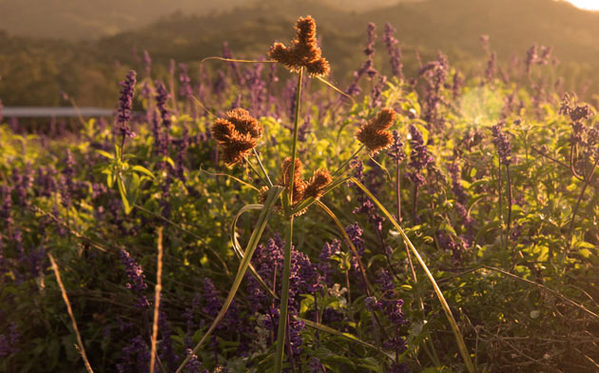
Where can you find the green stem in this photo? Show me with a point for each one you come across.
(452, 322)
(247, 160)
(262, 167)
(281, 332)
(344, 164)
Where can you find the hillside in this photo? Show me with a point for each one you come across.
(86, 69)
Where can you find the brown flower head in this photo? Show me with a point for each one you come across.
(238, 133)
(318, 182)
(304, 50)
(374, 134)
(299, 184)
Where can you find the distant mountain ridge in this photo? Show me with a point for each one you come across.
(89, 69)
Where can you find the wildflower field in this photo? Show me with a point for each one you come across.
(259, 217)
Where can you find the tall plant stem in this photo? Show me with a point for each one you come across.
(500, 204)
(587, 182)
(509, 197)
(339, 170)
(452, 322)
(414, 205)
(398, 190)
(282, 330)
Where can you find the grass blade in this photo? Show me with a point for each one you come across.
(452, 322)
(239, 251)
(265, 214)
(349, 337)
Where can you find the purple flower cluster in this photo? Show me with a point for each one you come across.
(5, 212)
(125, 104)
(135, 357)
(396, 151)
(502, 143)
(367, 67)
(420, 158)
(9, 342)
(394, 51)
(324, 266)
(435, 74)
(391, 306)
(137, 278)
(185, 89)
(354, 232)
(305, 278)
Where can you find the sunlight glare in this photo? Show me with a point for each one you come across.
(585, 4)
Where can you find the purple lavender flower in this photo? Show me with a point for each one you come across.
(182, 145)
(531, 58)
(167, 353)
(396, 151)
(147, 63)
(212, 304)
(125, 104)
(220, 83)
(372, 304)
(377, 92)
(393, 50)
(367, 67)
(65, 194)
(194, 365)
(502, 143)
(324, 266)
(9, 343)
(5, 212)
(137, 279)
(162, 97)
(354, 231)
(435, 74)
(234, 65)
(315, 365)
(189, 316)
(135, 357)
(385, 281)
(369, 51)
(256, 89)
(420, 158)
(185, 89)
(456, 185)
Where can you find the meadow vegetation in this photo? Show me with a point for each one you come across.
(419, 220)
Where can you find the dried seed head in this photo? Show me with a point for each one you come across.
(237, 133)
(318, 182)
(244, 122)
(304, 50)
(374, 134)
(238, 148)
(299, 184)
(222, 130)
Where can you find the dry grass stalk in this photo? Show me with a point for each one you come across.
(70, 311)
(157, 301)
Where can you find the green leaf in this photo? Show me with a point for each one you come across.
(144, 171)
(105, 154)
(123, 193)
